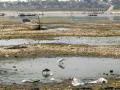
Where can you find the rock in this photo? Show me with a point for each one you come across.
(14, 66)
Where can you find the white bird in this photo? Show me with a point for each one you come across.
(60, 60)
(61, 63)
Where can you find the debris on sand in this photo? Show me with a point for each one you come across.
(100, 80)
(76, 82)
(30, 81)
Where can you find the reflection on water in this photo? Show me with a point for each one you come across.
(81, 67)
(66, 40)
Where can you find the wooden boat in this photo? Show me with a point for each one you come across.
(26, 14)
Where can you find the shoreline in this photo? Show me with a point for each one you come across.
(64, 85)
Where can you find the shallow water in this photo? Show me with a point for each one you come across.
(81, 67)
(89, 40)
(5, 42)
(66, 40)
(74, 16)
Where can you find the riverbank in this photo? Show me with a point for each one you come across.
(64, 85)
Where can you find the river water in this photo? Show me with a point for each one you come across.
(76, 16)
(66, 40)
(80, 67)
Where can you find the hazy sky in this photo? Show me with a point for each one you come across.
(25, 0)
(12, 0)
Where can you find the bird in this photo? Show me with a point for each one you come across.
(61, 63)
(46, 73)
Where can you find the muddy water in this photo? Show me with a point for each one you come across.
(66, 40)
(15, 70)
(89, 40)
(17, 42)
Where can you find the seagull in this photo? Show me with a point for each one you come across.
(61, 64)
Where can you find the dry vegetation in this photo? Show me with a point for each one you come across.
(60, 50)
(75, 30)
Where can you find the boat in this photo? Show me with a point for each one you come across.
(26, 14)
(2, 14)
(92, 14)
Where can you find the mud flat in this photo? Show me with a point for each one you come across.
(41, 34)
(64, 85)
(15, 29)
(43, 50)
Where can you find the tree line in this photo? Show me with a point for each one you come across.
(59, 5)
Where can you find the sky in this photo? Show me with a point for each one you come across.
(25, 0)
(12, 0)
